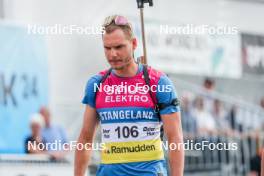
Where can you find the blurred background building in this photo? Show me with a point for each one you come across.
(219, 78)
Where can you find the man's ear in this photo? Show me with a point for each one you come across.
(134, 43)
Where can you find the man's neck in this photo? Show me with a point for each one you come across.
(129, 71)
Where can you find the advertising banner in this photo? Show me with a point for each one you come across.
(23, 84)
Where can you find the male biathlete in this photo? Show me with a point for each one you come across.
(131, 101)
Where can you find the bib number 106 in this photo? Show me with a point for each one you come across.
(126, 131)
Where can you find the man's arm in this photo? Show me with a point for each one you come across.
(82, 157)
(173, 130)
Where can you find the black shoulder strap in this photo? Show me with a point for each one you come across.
(147, 80)
(106, 75)
(158, 106)
(104, 78)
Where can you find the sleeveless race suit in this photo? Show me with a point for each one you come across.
(130, 128)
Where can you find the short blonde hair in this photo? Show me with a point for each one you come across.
(110, 26)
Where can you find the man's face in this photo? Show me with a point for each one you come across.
(118, 49)
(35, 129)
